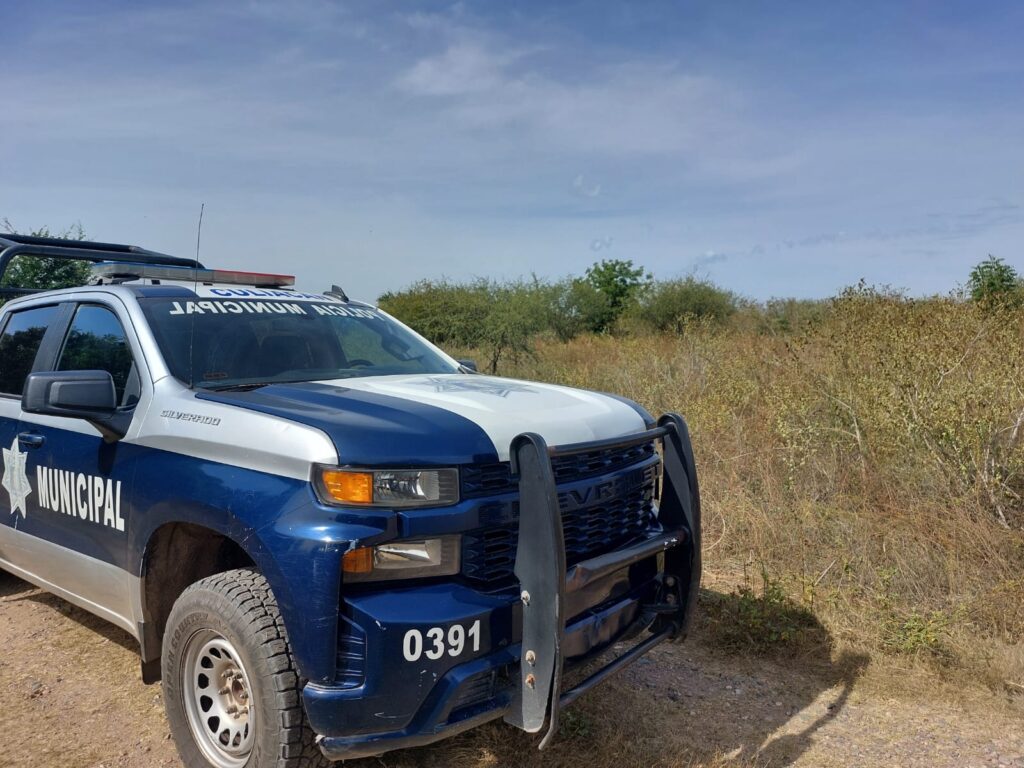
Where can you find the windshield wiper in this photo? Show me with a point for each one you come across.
(248, 387)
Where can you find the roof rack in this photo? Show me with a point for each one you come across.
(76, 250)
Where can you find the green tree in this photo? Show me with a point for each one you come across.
(574, 306)
(620, 281)
(994, 282)
(45, 273)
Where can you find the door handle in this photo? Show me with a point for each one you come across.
(29, 440)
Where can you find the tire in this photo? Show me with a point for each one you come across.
(247, 712)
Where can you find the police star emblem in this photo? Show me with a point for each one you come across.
(15, 480)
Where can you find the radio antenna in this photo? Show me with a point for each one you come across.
(199, 233)
(195, 289)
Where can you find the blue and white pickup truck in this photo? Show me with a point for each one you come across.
(329, 538)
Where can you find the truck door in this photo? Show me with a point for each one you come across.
(20, 342)
(81, 483)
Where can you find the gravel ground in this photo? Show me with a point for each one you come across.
(71, 695)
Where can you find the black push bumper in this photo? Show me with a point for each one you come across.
(551, 592)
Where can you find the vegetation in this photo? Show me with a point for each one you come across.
(43, 273)
(994, 282)
(672, 305)
(503, 320)
(760, 620)
(619, 282)
(499, 319)
(862, 455)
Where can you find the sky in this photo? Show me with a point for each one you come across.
(778, 149)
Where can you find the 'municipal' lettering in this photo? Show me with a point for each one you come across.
(84, 497)
(235, 308)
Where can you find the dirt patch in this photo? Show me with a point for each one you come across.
(70, 690)
(71, 695)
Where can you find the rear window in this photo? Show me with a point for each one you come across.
(19, 344)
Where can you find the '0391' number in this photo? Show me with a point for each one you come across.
(436, 642)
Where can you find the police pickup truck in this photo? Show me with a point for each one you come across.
(329, 538)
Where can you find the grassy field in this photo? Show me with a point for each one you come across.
(865, 470)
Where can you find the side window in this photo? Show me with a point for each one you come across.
(19, 344)
(96, 342)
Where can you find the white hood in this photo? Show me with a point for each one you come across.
(504, 408)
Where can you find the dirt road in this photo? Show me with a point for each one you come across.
(70, 695)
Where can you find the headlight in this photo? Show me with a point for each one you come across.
(387, 487)
(409, 559)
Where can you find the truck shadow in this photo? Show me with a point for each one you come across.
(718, 700)
(13, 590)
(722, 698)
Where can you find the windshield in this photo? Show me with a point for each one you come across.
(245, 342)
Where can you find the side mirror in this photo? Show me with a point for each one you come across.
(88, 395)
(468, 364)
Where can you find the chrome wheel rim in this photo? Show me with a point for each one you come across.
(218, 700)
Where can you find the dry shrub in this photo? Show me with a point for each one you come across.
(871, 463)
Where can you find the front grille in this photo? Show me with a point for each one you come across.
(578, 466)
(486, 480)
(351, 661)
(494, 479)
(596, 518)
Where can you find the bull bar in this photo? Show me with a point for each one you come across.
(551, 593)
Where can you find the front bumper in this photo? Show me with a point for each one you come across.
(409, 705)
(442, 684)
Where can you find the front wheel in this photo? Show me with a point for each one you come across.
(231, 690)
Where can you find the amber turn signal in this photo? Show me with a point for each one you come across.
(358, 560)
(348, 487)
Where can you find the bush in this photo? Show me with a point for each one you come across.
(575, 306)
(792, 315)
(993, 282)
(671, 305)
(449, 314)
(498, 319)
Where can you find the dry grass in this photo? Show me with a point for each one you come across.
(870, 466)
(615, 726)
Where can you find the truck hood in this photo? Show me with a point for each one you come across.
(440, 419)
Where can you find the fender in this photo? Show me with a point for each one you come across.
(276, 521)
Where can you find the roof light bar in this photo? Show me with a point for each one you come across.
(231, 277)
(251, 278)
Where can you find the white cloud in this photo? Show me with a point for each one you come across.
(642, 107)
(464, 68)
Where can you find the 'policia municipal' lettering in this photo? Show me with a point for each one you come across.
(265, 307)
(91, 498)
(235, 308)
